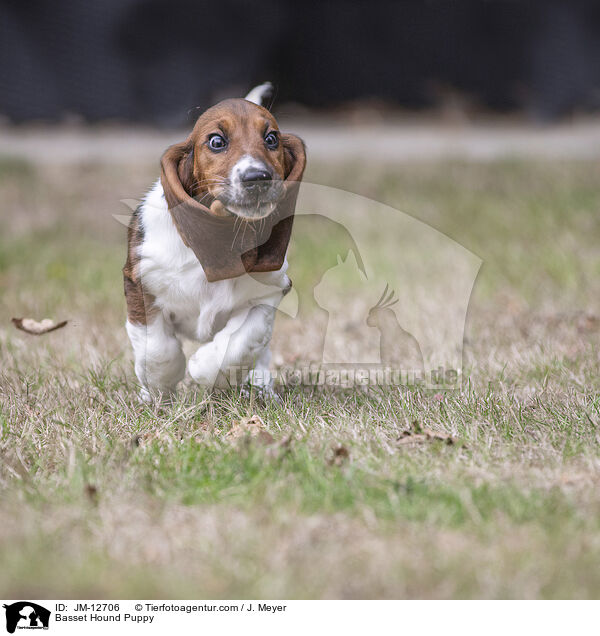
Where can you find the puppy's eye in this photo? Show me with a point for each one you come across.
(272, 140)
(217, 142)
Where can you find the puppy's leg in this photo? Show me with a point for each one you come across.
(159, 359)
(260, 377)
(241, 344)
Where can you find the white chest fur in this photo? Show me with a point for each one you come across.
(172, 274)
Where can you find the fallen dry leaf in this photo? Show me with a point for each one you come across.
(251, 427)
(418, 435)
(339, 456)
(37, 328)
(409, 438)
(91, 492)
(588, 322)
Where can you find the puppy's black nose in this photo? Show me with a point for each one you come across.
(251, 176)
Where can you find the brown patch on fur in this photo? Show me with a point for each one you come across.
(140, 305)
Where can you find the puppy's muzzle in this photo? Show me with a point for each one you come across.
(253, 191)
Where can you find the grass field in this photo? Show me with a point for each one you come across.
(105, 498)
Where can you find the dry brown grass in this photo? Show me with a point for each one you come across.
(103, 497)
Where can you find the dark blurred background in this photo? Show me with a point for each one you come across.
(154, 60)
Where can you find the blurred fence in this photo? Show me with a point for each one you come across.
(154, 60)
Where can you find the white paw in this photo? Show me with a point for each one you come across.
(144, 396)
(203, 367)
(264, 393)
(163, 397)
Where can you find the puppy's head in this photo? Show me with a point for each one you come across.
(236, 156)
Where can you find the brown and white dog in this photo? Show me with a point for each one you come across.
(207, 249)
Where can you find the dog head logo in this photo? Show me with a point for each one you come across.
(26, 615)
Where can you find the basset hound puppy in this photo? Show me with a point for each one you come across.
(207, 250)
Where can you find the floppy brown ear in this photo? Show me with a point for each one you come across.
(177, 173)
(294, 157)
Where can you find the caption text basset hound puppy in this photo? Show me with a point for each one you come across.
(207, 249)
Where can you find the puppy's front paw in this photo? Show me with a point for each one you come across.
(144, 396)
(203, 367)
(263, 393)
(164, 398)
